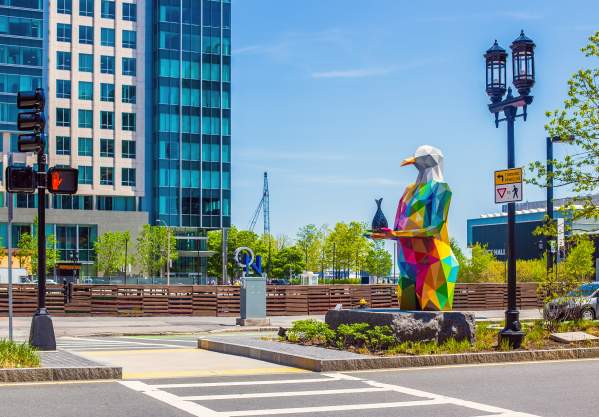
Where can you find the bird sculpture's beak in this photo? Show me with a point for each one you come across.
(408, 161)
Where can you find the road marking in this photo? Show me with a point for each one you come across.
(282, 394)
(241, 383)
(194, 341)
(123, 342)
(136, 351)
(451, 400)
(326, 408)
(424, 398)
(171, 399)
(212, 372)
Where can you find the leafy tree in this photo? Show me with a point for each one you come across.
(310, 240)
(153, 245)
(378, 260)
(27, 246)
(111, 249)
(578, 119)
(457, 251)
(346, 247)
(575, 270)
(289, 260)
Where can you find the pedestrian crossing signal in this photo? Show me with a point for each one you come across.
(20, 180)
(63, 180)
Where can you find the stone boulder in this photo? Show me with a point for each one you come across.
(416, 326)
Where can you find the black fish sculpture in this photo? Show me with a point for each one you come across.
(380, 221)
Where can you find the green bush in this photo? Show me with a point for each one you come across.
(18, 355)
(360, 335)
(310, 332)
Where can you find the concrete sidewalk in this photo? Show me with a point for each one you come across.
(110, 326)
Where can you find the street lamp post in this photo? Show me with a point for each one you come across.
(168, 252)
(523, 72)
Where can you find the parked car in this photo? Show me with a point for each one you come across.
(582, 303)
(279, 282)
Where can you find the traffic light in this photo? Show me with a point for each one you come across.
(33, 120)
(20, 180)
(62, 180)
(31, 142)
(31, 99)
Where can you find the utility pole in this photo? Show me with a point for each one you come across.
(225, 254)
(10, 295)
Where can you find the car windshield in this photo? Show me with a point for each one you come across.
(582, 292)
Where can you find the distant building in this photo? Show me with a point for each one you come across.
(491, 229)
(138, 99)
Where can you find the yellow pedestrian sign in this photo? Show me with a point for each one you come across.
(508, 185)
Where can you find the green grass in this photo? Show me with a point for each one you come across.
(18, 355)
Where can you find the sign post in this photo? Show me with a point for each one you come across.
(508, 185)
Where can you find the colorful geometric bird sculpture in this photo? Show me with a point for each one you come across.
(428, 268)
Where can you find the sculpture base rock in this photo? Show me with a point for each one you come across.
(416, 326)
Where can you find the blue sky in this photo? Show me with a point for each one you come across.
(330, 96)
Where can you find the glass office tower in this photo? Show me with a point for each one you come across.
(21, 57)
(191, 139)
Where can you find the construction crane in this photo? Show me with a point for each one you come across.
(264, 206)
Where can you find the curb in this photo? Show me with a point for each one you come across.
(330, 365)
(60, 374)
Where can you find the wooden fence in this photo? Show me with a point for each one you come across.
(221, 300)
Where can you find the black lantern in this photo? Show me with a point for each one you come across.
(523, 63)
(496, 84)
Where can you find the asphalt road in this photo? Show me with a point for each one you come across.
(547, 389)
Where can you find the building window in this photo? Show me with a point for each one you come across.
(107, 64)
(128, 120)
(129, 39)
(63, 88)
(86, 63)
(129, 66)
(129, 93)
(106, 120)
(63, 117)
(86, 174)
(86, 147)
(107, 9)
(226, 153)
(86, 119)
(63, 145)
(128, 148)
(107, 92)
(130, 12)
(107, 37)
(86, 7)
(64, 6)
(106, 175)
(63, 32)
(128, 177)
(63, 60)
(107, 148)
(86, 35)
(86, 90)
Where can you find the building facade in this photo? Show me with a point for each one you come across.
(138, 100)
(190, 143)
(490, 230)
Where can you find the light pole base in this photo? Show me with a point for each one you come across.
(512, 332)
(41, 334)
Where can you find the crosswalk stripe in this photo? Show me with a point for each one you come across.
(241, 383)
(281, 394)
(327, 408)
